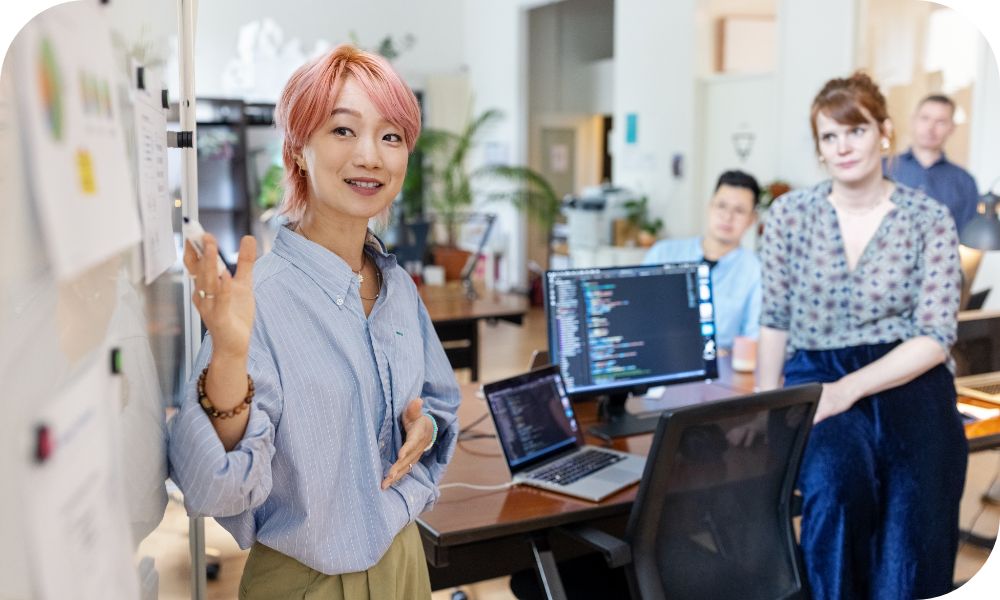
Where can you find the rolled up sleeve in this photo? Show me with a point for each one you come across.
(775, 255)
(215, 482)
(936, 312)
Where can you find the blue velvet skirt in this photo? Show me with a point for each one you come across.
(881, 483)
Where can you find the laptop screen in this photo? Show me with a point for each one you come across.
(533, 417)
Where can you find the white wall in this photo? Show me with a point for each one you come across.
(816, 41)
(736, 103)
(495, 42)
(984, 158)
(437, 27)
(571, 70)
(984, 153)
(654, 77)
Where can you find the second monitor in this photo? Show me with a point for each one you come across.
(621, 330)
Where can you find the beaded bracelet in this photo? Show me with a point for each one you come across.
(434, 437)
(215, 413)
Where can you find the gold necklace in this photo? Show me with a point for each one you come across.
(378, 278)
(358, 274)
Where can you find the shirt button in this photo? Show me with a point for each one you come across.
(340, 300)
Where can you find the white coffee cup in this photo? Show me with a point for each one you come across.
(744, 354)
(433, 275)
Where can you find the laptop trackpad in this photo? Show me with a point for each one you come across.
(620, 472)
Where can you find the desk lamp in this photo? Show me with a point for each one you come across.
(979, 235)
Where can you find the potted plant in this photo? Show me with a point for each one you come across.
(529, 192)
(637, 214)
(451, 189)
(452, 186)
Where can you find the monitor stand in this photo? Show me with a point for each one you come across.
(617, 422)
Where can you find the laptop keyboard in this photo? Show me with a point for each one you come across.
(575, 467)
(989, 388)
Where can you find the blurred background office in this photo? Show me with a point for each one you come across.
(616, 116)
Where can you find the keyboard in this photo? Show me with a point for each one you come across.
(573, 468)
(993, 388)
(985, 386)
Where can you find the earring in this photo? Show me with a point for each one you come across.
(885, 143)
(302, 172)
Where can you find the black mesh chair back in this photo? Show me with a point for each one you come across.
(712, 517)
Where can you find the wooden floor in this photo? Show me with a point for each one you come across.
(505, 351)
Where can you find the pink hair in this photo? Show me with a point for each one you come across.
(310, 96)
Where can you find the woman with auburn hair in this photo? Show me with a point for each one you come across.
(323, 413)
(861, 288)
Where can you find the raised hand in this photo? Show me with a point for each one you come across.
(419, 433)
(225, 302)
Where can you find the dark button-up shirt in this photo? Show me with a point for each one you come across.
(944, 181)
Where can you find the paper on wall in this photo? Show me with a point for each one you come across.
(158, 249)
(77, 535)
(70, 117)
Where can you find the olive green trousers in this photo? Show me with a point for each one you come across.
(401, 573)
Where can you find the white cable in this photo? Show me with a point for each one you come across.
(473, 486)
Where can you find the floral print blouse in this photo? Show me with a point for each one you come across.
(906, 283)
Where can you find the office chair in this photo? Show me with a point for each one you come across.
(712, 519)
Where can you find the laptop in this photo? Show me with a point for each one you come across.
(985, 386)
(543, 443)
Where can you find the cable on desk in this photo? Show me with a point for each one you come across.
(472, 486)
(466, 429)
(467, 435)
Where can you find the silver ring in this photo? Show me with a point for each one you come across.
(410, 468)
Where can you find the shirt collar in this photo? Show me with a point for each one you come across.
(908, 155)
(328, 270)
(726, 258)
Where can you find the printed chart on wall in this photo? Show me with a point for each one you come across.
(158, 247)
(70, 118)
(74, 496)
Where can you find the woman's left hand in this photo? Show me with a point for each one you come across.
(419, 433)
(836, 398)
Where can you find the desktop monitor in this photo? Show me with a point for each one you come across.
(621, 330)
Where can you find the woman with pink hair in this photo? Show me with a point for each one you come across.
(323, 413)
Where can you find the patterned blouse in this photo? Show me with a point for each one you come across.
(906, 283)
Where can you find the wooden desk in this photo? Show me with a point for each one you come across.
(456, 319)
(474, 535)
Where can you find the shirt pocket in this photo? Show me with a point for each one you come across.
(405, 359)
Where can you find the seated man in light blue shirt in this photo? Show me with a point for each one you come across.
(735, 270)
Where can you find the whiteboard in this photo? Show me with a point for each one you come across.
(58, 326)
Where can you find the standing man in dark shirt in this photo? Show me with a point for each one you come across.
(924, 166)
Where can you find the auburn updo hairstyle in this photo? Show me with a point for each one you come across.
(847, 100)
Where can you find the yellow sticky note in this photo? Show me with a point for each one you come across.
(85, 169)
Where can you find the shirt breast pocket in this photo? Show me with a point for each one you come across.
(405, 356)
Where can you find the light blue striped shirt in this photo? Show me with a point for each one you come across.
(735, 285)
(305, 479)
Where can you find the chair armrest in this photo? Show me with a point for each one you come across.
(616, 552)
